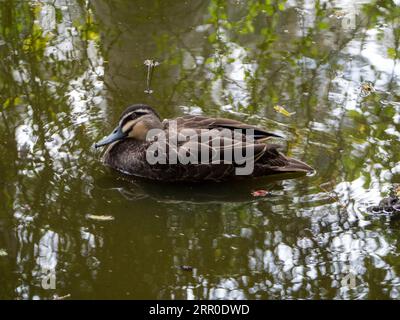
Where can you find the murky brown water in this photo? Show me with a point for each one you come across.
(68, 70)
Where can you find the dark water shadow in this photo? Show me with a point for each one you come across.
(135, 188)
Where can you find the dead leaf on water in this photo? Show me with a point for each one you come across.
(3, 253)
(338, 14)
(260, 193)
(283, 111)
(151, 63)
(367, 88)
(186, 268)
(100, 218)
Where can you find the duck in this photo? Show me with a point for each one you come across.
(192, 148)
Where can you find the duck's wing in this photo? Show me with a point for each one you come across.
(201, 122)
(213, 146)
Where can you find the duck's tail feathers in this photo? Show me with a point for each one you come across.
(295, 165)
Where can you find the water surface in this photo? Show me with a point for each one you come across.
(69, 68)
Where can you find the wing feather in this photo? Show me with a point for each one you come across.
(200, 122)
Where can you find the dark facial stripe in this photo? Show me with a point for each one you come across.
(126, 118)
(133, 115)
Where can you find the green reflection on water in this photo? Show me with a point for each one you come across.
(67, 70)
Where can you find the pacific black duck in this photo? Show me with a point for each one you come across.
(129, 146)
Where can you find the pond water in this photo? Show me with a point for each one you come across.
(69, 68)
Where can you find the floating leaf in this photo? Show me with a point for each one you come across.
(92, 35)
(99, 218)
(367, 88)
(3, 253)
(283, 111)
(186, 268)
(151, 63)
(338, 14)
(260, 193)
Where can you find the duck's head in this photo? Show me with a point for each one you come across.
(134, 123)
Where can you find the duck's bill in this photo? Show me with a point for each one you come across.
(116, 135)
